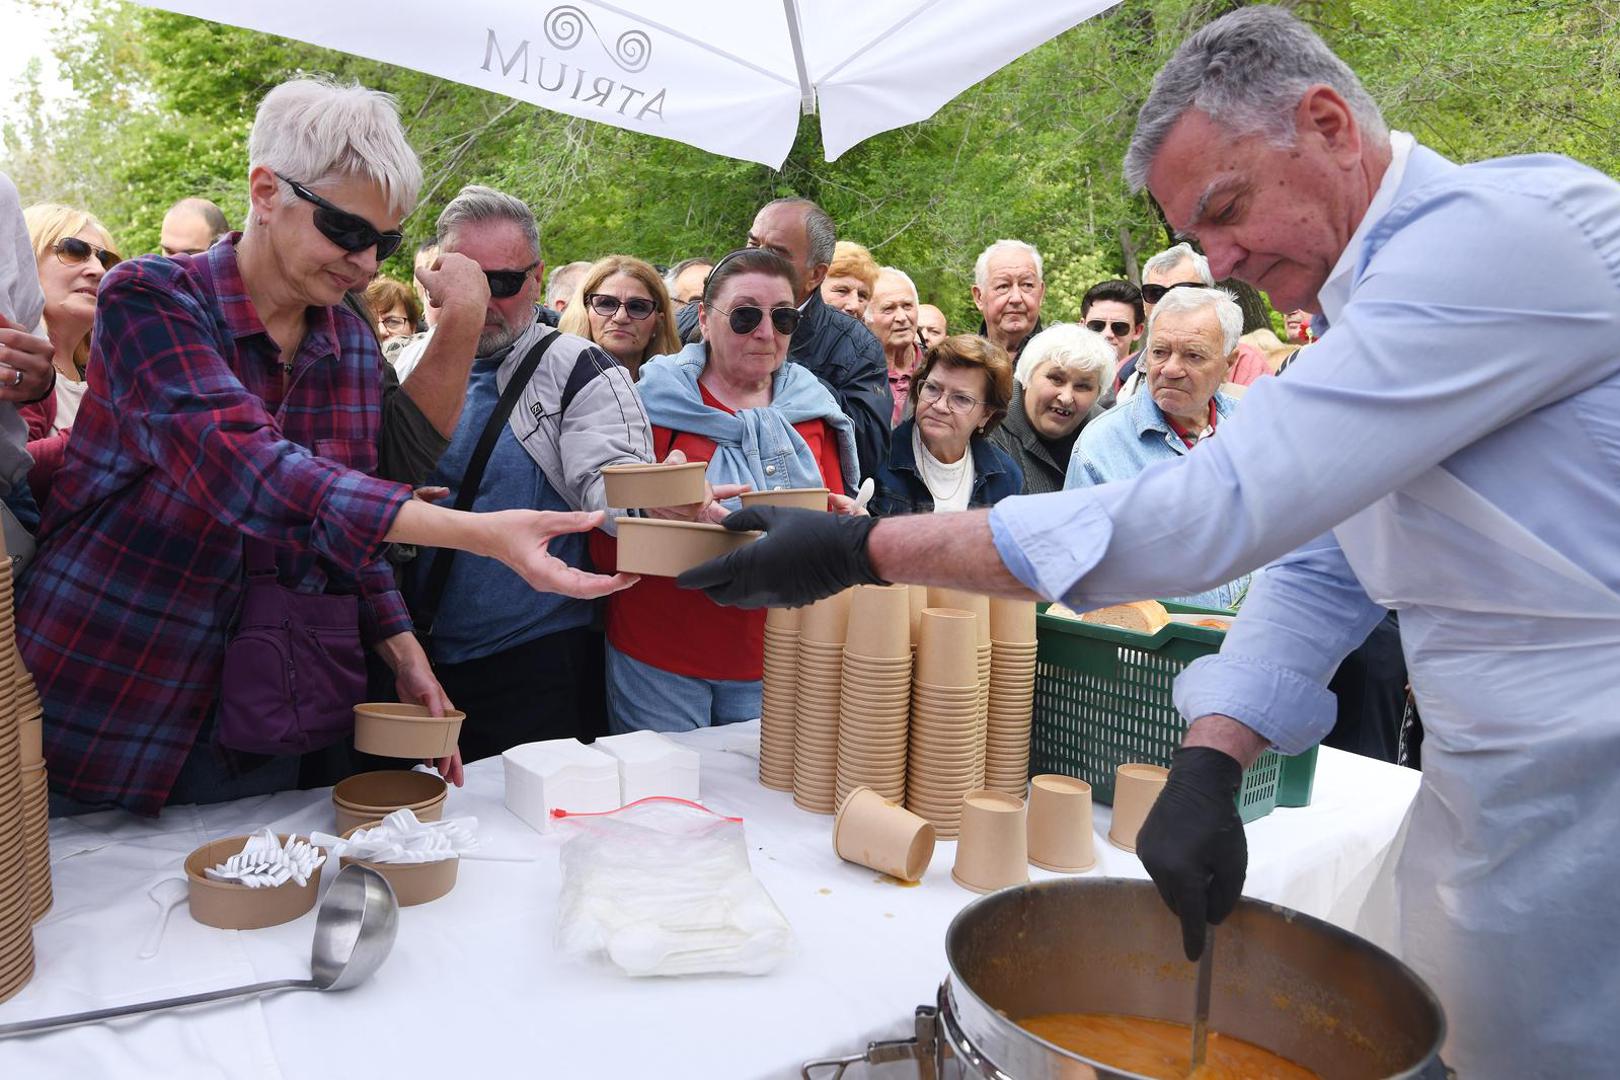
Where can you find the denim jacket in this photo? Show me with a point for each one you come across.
(1125, 441)
(900, 486)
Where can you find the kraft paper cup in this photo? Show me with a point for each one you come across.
(1060, 835)
(947, 648)
(879, 622)
(231, 906)
(992, 851)
(650, 485)
(372, 796)
(977, 603)
(803, 498)
(1136, 789)
(414, 883)
(670, 548)
(392, 729)
(784, 619)
(1012, 621)
(826, 622)
(31, 733)
(876, 833)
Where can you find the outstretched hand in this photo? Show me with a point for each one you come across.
(521, 540)
(804, 556)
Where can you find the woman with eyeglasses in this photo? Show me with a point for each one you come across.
(676, 660)
(940, 458)
(230, 421)
(72, 250)
(397, 310)
(624, 307)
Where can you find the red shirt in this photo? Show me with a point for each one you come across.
(681, 630)
(1191, 437)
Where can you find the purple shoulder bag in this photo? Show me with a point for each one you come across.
(294, 668)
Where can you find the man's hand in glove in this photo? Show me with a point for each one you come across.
(1192, 842)
(804, 556)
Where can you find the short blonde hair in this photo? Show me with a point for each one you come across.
(50, 222)
(852, 260)
(666, 339)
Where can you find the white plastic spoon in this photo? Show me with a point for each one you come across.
(166, 894)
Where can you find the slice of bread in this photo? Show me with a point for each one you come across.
(1142, 616)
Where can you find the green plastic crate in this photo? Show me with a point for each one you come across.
(1297, 779)
(1103, 699)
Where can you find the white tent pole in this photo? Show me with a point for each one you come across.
(807, 93)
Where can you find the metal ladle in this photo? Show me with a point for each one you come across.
(354, 931)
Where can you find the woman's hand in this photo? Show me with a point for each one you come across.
(26, 372)
(520, 539)
(709, 510)
(415, 684)
(845, 506)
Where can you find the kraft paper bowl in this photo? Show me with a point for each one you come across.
(802, 498)
(650, 485)
(396, 730)
(670, 548)
(414, 883)
(372, 796)
(231, 906)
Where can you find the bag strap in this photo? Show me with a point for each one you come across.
(439, 571)
(259, 558)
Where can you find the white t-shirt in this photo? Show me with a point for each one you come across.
(68, 396)
(950, 485)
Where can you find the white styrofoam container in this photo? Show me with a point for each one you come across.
(559, 773)
(651, 764)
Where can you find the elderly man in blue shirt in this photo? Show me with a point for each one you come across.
(1428, 455)
(1192, 334)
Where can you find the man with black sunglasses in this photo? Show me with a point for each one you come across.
(544, 412)
(1169, 269)
(1114, 310)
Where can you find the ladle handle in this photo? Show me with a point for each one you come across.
(56, 1023)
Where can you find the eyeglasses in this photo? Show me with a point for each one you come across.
(1152, 294)
(395, 322)
(955, 401)
(351, 232)
(1098, 326)
(744, 320)
(636, 307)
(506, 283)
(71, 251)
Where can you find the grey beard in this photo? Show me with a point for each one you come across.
(494, 341)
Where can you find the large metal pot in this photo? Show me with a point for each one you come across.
(1288, 982)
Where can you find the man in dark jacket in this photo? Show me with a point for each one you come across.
(839, 350)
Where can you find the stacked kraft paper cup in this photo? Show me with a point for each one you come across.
(818, 696)
(25, 883)
(1011, 700)
(779, 694)
(979, 606)
(945, 760)
(874, 716)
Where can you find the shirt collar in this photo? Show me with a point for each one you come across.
(1335, 291)
(242, 318)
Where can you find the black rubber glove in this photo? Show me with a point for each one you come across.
(805, 556)
(1192, 842)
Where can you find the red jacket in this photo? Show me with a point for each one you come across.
(46, 449)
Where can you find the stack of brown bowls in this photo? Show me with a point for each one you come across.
(816, 703)
(979, 605)
(1012, 695)
(780, 689)
(16, 898)
(943, 757)
(874, 715)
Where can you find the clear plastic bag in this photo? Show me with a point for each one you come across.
(663, 887)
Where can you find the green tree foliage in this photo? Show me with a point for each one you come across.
(164, 103)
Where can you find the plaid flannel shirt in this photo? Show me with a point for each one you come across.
(184, 443)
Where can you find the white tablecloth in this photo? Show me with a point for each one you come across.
(474, 986)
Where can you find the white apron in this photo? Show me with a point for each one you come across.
(1506, 883)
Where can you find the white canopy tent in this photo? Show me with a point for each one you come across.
(728, 76)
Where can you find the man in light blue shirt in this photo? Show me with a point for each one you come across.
(1192, 335)
(1450, 448)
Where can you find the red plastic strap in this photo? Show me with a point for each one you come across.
(559, 812)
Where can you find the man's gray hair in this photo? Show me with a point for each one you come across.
(1170, 258)
(564, 280)
(981, 265)
(1191, 299)
(682, 267)
(1247, 71)
(315, 131)
(1073, 348)
(894, 271)
(476, 204)
(819, 228)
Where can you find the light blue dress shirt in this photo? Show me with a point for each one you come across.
(1450, 449)
(1124, 441)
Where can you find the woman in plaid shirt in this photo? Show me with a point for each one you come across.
(231, 395)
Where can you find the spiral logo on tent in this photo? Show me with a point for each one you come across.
(565, 28)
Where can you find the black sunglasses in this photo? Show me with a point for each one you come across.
(506, 283)
(71, 251)
(1097, 326)
(743, 320)
(636, 307)
(351, 232)
(1152, 294)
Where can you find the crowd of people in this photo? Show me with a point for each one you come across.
(434, 448)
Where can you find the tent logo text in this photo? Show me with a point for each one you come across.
(554, 76)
